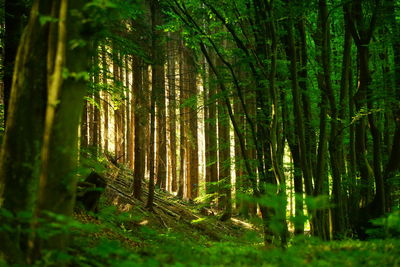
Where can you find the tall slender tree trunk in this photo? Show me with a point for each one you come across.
(182, 133)
(309, 130)
(157, 90)
(121, 111)
(224, 160)
(159, 87)
(192, 141)
(129, 115)
(105, 95)
(140, 122)
(117, 111)
(96, 110)
(343, 105)
(212, 160)
(239, 171)
(289, 131)
(161, 128)
(172, 114)
(84, 126)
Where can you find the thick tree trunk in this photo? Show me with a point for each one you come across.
(15, 12)
(48, 131)
(23, 137)
(58, 176)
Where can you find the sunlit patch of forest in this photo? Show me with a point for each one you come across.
(200, 133)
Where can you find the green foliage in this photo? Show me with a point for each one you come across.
(46, 19)
(320, 202)
(90, 161)
(386, 227)
(166, 247)
(76, 75)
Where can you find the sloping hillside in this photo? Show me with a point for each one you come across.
(177, 233)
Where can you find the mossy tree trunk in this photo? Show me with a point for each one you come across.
(22, 142)
(60, 148)
(45, 111)
(15, 12)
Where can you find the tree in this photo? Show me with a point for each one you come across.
(139, 121)
(16, 13)
(42, 109)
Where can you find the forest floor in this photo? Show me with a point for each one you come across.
(178, 233)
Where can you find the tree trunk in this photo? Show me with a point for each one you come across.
(192, 141)
(15, 12)
(105, 95)
(212, 161)
(158, 81)
(172, 114)
(239, 171)
(25, 121)
(58, 176)
(182, 133)
(48, 131)
(224, 160)
(84, 126)
(334, 145)
(129, 116)
(140, 122)
(117, 110)
(96, 110)
(393, 164)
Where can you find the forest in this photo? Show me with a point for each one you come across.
(200, 133)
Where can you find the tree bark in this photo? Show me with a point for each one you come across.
(58, 176)
(25, 121)
(105, 95)
(15, 12)
(172, 114)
